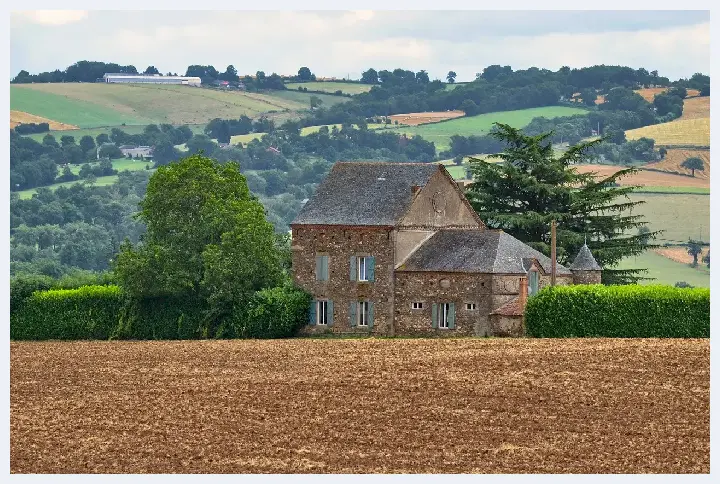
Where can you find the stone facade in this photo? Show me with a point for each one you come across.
(586, 277)
(340, 244)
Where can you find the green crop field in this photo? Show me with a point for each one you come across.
(301, 100)
(680, 216)
(90, 105)
(68, 109)
(666, 271)
(441, 132)
(345, 87)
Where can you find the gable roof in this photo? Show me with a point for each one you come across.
(365, 193)
(585, 261)
(478, 251)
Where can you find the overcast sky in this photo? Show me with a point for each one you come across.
(677, 44)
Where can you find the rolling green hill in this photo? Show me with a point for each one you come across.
(101, 105)
(441, 132)
(345, 87)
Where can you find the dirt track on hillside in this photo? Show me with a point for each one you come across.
(361, 406)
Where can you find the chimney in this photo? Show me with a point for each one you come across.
(522, 298)
(415, 189)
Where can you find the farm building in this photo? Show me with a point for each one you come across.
(150, 79)
(137, 151)
(396, 248)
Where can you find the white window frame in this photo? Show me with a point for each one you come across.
(321, 312)
(443, 322)
(363, 314)
(470, 306)
(417, 305)
(362, 268)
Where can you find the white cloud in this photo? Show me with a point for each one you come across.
(54, 17)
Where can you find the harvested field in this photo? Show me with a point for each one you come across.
(649, 93)
(414, 119)
(361, 406)
(19, 117)
(688, 132)
(646, 177)
(680, 254)
(696, 107)
(676, 156)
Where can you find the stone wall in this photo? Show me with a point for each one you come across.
(587, 277)
(435, 287)
(340, 243)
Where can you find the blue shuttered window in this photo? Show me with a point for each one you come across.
(371, 314)
(353, 314)
(321, 268)
(434, 315)
(451, 316)
(353, 268)
(313, 312)
(330, 317)
(370, 268)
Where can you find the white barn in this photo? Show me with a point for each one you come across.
(151, 79)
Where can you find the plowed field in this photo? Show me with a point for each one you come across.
(361, 406)
(414, 119)
(647, 177)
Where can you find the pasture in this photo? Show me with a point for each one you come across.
(681, 216)
(331, 87)
(100, 181)
(441, 132)
(383, 406)
(301, 100)
(99, 104)
(687, 132)
(663, 270)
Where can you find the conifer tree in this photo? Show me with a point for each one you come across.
(532, 185)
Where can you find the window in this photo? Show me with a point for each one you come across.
(417, 305)
(470, 306)
(321, 268)
(362, 268)
(363, 313)
(444, 313)
(322, 313)
(532, 283)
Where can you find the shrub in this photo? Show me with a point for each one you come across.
(619, 311)
(271, 313)
(158, 318)
(24, 285)
(90, 312)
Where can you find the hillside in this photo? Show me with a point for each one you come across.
(331, 87)
(441, 132)
(675, 157)
(93, 105)
(685, 132)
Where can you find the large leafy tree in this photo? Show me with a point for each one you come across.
(207, 239)
(532, 186)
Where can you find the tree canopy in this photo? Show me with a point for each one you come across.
(532, 186)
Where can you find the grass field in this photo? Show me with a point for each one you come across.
(690, 132)
(666, 271)
(98, 104)
(440, 133)
(674, 190)
(680, 216)
(331, 87)
(361, 406)
(301, 100)
(245, 138)
(68, 109)
(120, 164)
(100, 181)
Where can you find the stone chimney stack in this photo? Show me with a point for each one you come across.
(522, 298)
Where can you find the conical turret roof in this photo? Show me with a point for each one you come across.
(585, 261)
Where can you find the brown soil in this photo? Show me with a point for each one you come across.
(361, 406)
(648, 178)
(679, 254)
(20, 117)
(414, 119)
(696, 108)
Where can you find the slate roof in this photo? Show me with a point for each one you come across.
(478, 251)
(585, 261)
(365, 193)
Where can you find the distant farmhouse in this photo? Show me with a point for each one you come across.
(150, 79)
(137, 151)
(396, 248)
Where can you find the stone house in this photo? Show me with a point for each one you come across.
(396, 249)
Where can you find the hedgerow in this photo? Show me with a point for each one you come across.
(104, 312)
(630, 311)
(89, 312)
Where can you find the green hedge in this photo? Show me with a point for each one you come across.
(102, 312)
(90, 312)
(630, 311)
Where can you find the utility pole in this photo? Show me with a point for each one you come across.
(553, 254)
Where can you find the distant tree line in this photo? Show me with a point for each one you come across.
(31, 128)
